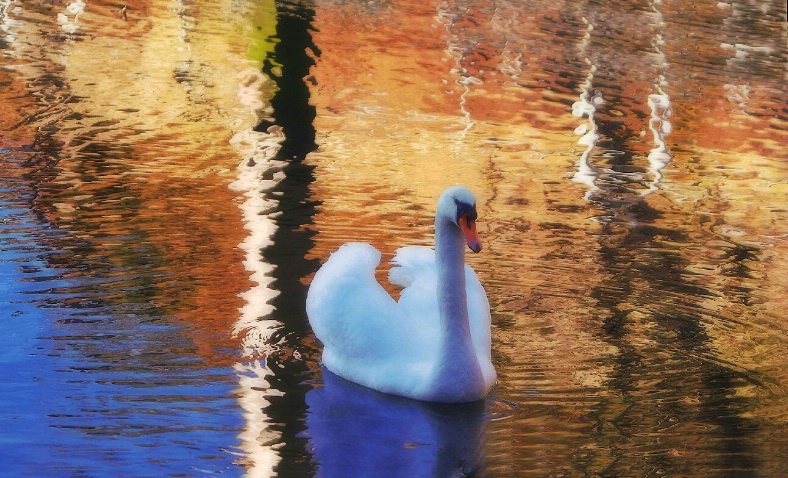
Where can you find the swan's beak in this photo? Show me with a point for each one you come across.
(468, 227)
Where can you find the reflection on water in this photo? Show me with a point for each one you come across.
(172, 172)
(356, 431)
(586, 107)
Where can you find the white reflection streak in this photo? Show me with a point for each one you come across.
(739, 95)
(257, 173)
(741, 51)
(588, 132)
(661, 111)
(455, 52)
(68, 20)
(511, 63)
(659, 157)
(184, 27)
(258, 439)
(8, 24)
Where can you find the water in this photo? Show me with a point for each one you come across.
(173, 172)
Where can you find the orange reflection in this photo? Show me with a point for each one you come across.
(142, 145)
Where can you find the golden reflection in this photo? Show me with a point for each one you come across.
(172, 112)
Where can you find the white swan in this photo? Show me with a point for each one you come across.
(432, 345)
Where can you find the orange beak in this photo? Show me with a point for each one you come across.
(468, 227)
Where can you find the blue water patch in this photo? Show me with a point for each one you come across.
(92, 390)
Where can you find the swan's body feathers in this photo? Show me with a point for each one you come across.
(366, 333)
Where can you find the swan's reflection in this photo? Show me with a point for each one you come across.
(357, 431)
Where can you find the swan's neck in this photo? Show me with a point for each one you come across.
(450, 262)
(457, 364)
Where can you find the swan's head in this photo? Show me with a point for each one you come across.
(458, 205)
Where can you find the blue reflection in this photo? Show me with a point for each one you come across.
(93, 391)
(357, 431)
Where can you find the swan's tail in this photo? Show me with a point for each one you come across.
(409, 263)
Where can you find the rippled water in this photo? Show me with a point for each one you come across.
(173, 172)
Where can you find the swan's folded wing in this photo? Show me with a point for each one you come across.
(414, 269)
(348, 309)
(410, 263)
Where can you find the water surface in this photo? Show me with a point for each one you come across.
(173, 172)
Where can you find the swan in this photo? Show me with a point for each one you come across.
(431, 345)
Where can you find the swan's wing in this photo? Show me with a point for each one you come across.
(364, 338)
(411, 263)
(348, 309)
(414, 269)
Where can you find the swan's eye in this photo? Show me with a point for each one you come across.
(467, 220)
(465, 212)
(470, 217)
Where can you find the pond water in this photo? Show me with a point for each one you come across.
(172, 173)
